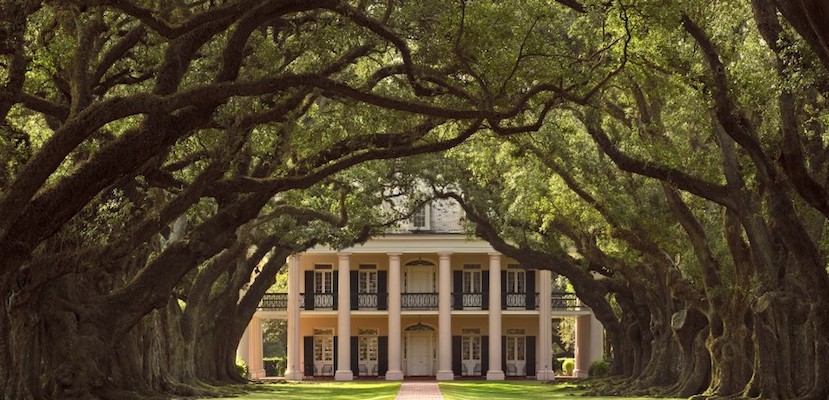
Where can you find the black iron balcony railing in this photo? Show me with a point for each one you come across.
(419, 301)
(515, 300)
(475, 301)
(566, 301)
(274, 302)
(369, 301)
(318, 301)
(519, 301)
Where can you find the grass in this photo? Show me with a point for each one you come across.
(525, 390)
(321, 390)
(381, 390)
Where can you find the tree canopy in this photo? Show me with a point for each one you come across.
(162, 157)
(683, 201)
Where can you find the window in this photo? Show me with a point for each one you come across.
(516, 281)
(420, 218)
(367, 279)
(324, 351)
(515, 348)
(516, 352)
(471, 351)
(368, 348)
(323, 286)
(516, 286)
(323, 281)
(472, 278)
(471, 348)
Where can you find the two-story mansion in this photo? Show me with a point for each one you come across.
(423, 301)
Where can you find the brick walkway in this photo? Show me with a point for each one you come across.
(419, 391)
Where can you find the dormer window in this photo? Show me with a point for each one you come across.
(420, 218)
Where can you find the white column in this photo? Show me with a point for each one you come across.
(293, 371)
(545, 369)
(445, 318)
(344, 372)
(495, 373)
(395, 371)
(596, 339)
(256, 366)
(582, 346)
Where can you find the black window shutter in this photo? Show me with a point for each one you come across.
(485, 289)
(484, 355)
(355, 296)
(383, 355)
(336, 353)
(382, 290)
(457, 280)
(530, 290)
(504, 290)
(456, 355)
(504, 354)
(308, 349)
(309, 290)
(355, 359)
(530, 355)
(336, 291)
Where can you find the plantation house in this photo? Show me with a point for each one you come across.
(423, 300)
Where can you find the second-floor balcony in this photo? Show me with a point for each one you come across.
(519, 301)
(470, 301)
(421, 301)
(274, 302)
(566, 301)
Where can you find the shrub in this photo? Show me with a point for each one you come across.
(599, 368)
(568, 365)
(242, 367)
(275, 366)
(557, 364)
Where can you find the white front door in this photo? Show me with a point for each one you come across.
(419, 354)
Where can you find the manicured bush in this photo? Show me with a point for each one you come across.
(568, 365)
(599, 368)
(242, 367)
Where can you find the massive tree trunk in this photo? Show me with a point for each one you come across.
(691, 330)
(63, 340)
(661, 368)
(636, 336)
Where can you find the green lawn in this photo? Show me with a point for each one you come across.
(381, 390)
(376, 390)
(525, 390)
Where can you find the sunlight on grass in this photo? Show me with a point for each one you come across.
(322, 390)
(381, 390)
(517, 390)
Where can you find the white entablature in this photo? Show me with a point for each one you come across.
(414, 243)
